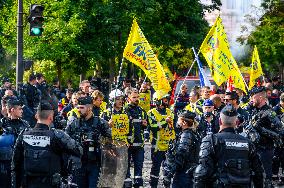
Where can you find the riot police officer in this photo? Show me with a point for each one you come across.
(227, 159)
(31, 92)
(138, 122)
(268, 125)
(11, 127)
(38, 154)
(162, 131)
(87, 130)
(182, 157)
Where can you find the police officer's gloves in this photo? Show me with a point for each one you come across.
(166, 182)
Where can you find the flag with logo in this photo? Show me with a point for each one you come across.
(216, 50)
(255, 68)
(139, 52)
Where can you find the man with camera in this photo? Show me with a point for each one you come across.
(87, 130)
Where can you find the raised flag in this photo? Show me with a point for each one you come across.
(139, 52)
(216, 50)
(255, 68)
(204, 81)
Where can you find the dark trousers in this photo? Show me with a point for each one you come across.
(87, 176)
(266, 156)
(5, 174)
(278, 160)
(136, 153)
(182, 179)
(157, 158)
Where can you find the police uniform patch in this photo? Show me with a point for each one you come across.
(38, 141)
(236, 144)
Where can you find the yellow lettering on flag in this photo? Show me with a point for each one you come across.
(255, 68)
(139, 52)
(216, 50)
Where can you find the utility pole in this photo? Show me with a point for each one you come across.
(20, 27)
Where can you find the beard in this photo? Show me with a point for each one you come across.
(256, 103)
(135, 102)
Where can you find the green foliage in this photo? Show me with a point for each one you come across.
(269, 37)
(80, 35)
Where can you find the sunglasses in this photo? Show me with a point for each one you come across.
(227, 100)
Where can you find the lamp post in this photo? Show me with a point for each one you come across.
(20, 27)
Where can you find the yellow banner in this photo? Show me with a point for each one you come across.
(169, 74)
(139, 52)
(255, 68)
(245, 70)
(216, 50)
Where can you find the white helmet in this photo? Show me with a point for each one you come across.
(115, 93)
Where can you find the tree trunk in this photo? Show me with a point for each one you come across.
(59, 71)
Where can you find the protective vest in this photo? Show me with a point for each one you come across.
(164, 135)
(120, 129)
(136, 130)
(39, 158)
(145, 99)
(233, 160)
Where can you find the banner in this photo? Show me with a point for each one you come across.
(139, 52)
(168, 73)
(216, 50)
(255, 68)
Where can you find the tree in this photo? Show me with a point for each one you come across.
(269, 36)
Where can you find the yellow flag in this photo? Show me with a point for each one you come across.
(255, 68)
(216, 50)
(169, 74)
(139, 52)
(245, 70)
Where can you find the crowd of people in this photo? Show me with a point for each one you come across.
(207, 137)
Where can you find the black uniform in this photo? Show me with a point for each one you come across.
(32, 95)
(278, 158)
(182, 157)
(10, 129)
(38, 157)
(88, 133)
(205, 127)
(227, 159)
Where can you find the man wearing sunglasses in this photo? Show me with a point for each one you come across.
(87, 130)
(233, 99)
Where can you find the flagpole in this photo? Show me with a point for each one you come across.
(195, 59)
(117, 81)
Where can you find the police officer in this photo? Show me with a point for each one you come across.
(182, 157)
(162, 131)
(268, 125)
(87, 130)
(233, 99)
(38, 153)
(207, 121)
(227, 159)
(10, 128)
(138, 122)
(278, 158)
(31, 92)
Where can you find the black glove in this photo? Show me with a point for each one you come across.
(167, 182)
